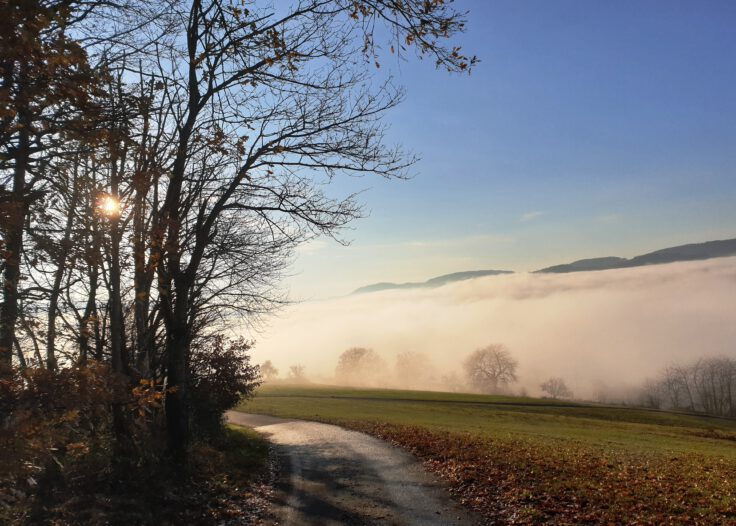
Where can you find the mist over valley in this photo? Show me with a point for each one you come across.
(604, 332)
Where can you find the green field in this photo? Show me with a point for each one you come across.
(529, 461)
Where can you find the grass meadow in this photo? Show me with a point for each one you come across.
(534, 461)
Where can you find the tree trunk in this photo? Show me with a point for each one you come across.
(143, 279)
(119, 363)
(117, 346)
(90, 320)
(100, 329)
(15, 214)
(177, 319)
(21, 357)
(177, 408)
(64, 249)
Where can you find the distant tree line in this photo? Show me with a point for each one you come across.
(490, 369)
(707, 385)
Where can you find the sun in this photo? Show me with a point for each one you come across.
(109, 205)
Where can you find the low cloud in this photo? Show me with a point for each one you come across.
(600, 331)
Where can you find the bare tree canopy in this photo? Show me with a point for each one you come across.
(707, 385)
(161, 161)
(297, 373)
(490, 369)
(360, 366)
(556, 388)
(414, 370)
(268, 371)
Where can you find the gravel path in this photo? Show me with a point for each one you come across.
(330, 476)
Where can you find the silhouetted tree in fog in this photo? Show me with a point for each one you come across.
(556, 388)
(414, 370)
(360, 366)
(490, 369)
(268, 371)
(296, 373)
(707, 385)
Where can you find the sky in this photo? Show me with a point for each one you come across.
(588, 129)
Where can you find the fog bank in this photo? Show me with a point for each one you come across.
(600, 331)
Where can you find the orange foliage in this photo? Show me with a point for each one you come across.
(518, 482)
(55, 421)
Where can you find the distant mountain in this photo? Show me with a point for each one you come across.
(691, 252)
(431, 283)
(587, 264)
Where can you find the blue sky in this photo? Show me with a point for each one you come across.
(588, 129)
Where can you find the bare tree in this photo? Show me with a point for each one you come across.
(707, 385)
(414, 370)
(360, 366)
(267, 105)
(652, 394)
(216, 129)
(556, 388)
(296, 373)
(452, 382)
(714, 382)
(45, 87)
(490, 369)
(268, 371)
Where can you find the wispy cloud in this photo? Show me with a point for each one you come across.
(530, 216)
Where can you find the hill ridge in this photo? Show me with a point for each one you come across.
(430, 283)
(688, 252)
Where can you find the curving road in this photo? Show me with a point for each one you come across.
(332, 476)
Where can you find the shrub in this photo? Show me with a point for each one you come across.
(221, 376)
